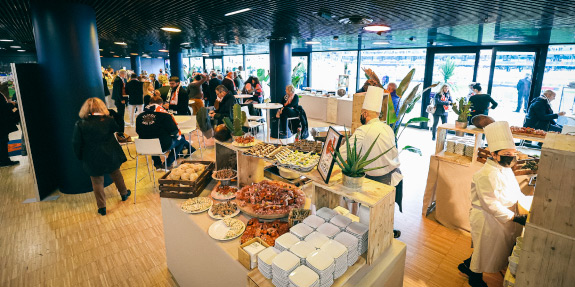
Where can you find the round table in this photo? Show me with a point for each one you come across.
(242, 97)
(267, 107)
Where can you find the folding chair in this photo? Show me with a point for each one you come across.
(149, 147)
(251, 124)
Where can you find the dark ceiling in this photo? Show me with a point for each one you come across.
(415, 23)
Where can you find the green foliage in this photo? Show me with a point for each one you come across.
(391, 117)
(201, 118)
(262, 75)
(354, 165)
(447, 70)
(412, 149)
(462, 109)
(297, 74)
(405, 83)
(239, 119)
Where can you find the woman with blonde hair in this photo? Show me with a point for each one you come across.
(442, 102)
(289, 102)
(96, 146)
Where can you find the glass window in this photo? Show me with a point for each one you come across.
(255, 62)
(231, 63)
(196, 64)
(209, 64)
(560, 78)
(301, 71)
(328, 66)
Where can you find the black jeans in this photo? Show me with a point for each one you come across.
(121, 109)
(436, 121)
(4, 149)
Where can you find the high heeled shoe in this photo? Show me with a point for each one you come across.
(102, 211)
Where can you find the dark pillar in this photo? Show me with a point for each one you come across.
(67, 48)
(280, 68)
(136, 63)
(176, 63)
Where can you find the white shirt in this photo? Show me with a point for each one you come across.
(365, 136)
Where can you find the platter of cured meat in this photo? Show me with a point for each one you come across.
(528, 132)
(269, 199)
(267, 231)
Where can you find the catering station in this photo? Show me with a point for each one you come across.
(264, 215)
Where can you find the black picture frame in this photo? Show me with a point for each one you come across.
(326, 160)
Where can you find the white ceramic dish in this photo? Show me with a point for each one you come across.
(218, 231)
(197, 211)
(212, 215)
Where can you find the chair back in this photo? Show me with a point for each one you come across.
(148, 146)
(247, 111)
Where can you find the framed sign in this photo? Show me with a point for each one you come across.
(326, 160)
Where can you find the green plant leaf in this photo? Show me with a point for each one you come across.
(410, 99)
(412, 149)
(412, 105)
(364, 158)
(405, 83)
(373, 168)
(340, 158)
(417, 120)
(366, 163)
(391, 118)
(347, 148)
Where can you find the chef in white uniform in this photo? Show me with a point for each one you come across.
(371, 128)
(494, 196)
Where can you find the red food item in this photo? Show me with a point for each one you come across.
(226, 189)
(271, 197)
(267, 231)
(245, 139)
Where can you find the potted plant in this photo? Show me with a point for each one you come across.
(462, 110)
(353, 167)
(235, 127)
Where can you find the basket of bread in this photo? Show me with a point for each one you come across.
(187, 180)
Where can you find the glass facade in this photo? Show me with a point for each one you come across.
(231, 63)
(255, 62)
(560, 77)
(326, 67)
(196, 64)
(302, 70)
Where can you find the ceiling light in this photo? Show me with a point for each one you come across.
(508, 42)
(381, 43)
(21, 50)
(6, 40)
(220, 44)
(171, 29)
(159, 57)
(239, 11)
(116, 56)
(121, 43)
(101, 49)
(127, 57)
(15, 47)
(101, 56)
(163, 50)
(312, 42)
(112, 52)
(376, 28)
(134, 54)
(186, 43)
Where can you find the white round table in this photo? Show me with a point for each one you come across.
(267, 107)
(242, 97)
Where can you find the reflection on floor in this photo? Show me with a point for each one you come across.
(66, 243)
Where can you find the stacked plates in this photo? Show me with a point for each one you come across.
(316, 239)
(326, 213)
(322, 264)
(340, 221)
(301, 230)
(282, 266)
(339, 253)
(302, 250)
(265, 259)
(360, 231)
(303, 276)
(352, 245)
(329, 230)
(313, 221)
(285, 241)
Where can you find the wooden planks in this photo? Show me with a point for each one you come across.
(250, 169)
(380, 227)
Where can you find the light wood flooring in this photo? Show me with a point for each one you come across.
(66, 243)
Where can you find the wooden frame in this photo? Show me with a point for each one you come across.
(326, 161)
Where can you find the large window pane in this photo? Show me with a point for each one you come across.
(255, 62)
(484, 67)
(560, 77)
(196, 64)
(392, 66)
(327, 66)
(231, 63)
(295, 61)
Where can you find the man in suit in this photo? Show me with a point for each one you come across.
(541, 115)
(119, 95)
(177, 97)
(213, 83)
(135, 91)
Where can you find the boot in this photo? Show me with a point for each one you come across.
(102, 211)
(124, 197)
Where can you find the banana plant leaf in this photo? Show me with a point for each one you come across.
(410, 108)
(412, 149)
(408, 100)
(391, 118)
(405, 83)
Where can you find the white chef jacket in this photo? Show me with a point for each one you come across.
(366, 135)
(494, 194)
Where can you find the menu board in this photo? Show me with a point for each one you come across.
(326, 161)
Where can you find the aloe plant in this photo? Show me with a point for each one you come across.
(240, 118)
(355, 163)
(462, 110)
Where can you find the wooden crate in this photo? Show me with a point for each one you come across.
(186, 188)
(243, 256)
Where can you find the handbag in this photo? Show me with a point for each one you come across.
(431, 107)
(123, 137)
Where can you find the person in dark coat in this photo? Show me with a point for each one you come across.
(119, 94)
(206, 91)
(135, 91)
(177, 100)
(156, 122)
(289, 102)
(480, 103)
(523, 90)
(252, 86)
(106, 90)
(442, 102)
(540, 115)
(8, 121)
(96, 146)
(196, 93)
(224, 105)
(155, 81)
(213, 84)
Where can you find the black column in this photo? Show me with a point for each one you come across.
(280, 68)
(67, 48)
(176, 65)
(136, 63)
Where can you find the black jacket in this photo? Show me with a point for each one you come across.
(480, 104)
(157, 84)
(540, 115)
(440, 105)
(206, 90)
(213, 83)
(117, 88)
(8, 119)
(225, 109)
(106, 90)
(135, 91)
(96, 146)
(151, 125)
(181, 107)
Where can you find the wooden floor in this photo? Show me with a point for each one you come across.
(66, 243)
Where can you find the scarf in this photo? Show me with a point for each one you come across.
(160, 109)
(443, 99)
(173, 100)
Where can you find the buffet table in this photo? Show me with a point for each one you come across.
(333, 110)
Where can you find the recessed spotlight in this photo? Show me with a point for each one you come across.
(159, 57)
(112, 52)
(171, 29)
(239, 11)
(507, 41)
(15, 47)
(312, 42)
(116, 56)
(376, 28)
(101, 56)
(163, 50)
(101, 49)
(134, 54)
(381, 43)
(220, 44)
(127, 57)
(6, 40)
(21, 50)
(121, 43)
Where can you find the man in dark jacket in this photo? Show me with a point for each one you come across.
(135, 91)
(156, 122)
(8, 121)
(119, 94)
(229, 83)
(541, 116)
(177, 100)
(523, 89)
(213, 83)
(224, 105)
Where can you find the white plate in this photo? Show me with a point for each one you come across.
(218, 196)
(199, 211)
(222, 217)
(218, 231)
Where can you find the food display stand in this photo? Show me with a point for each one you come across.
(449, 179)
(195, 259)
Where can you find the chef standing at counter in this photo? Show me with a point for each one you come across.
(494, 197)
(368, 133)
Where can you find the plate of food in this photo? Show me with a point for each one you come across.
(244, 141)
(224, 210)
(267, 231)
(224, 174)
(269, 199)
(226, 229)
(224, 192)
(196, 205)
(297, 160)
(264, 150)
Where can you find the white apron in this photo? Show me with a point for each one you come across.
(494, 194)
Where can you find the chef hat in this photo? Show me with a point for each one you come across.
(373, 99)
(499, 136)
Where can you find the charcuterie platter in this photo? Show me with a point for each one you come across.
(269, 199)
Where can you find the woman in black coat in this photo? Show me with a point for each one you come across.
(96, 146)
(289, 102)
(442, 102)
(480, 102)
(8, 121)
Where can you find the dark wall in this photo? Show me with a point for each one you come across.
(19, 58)
(148, 65)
